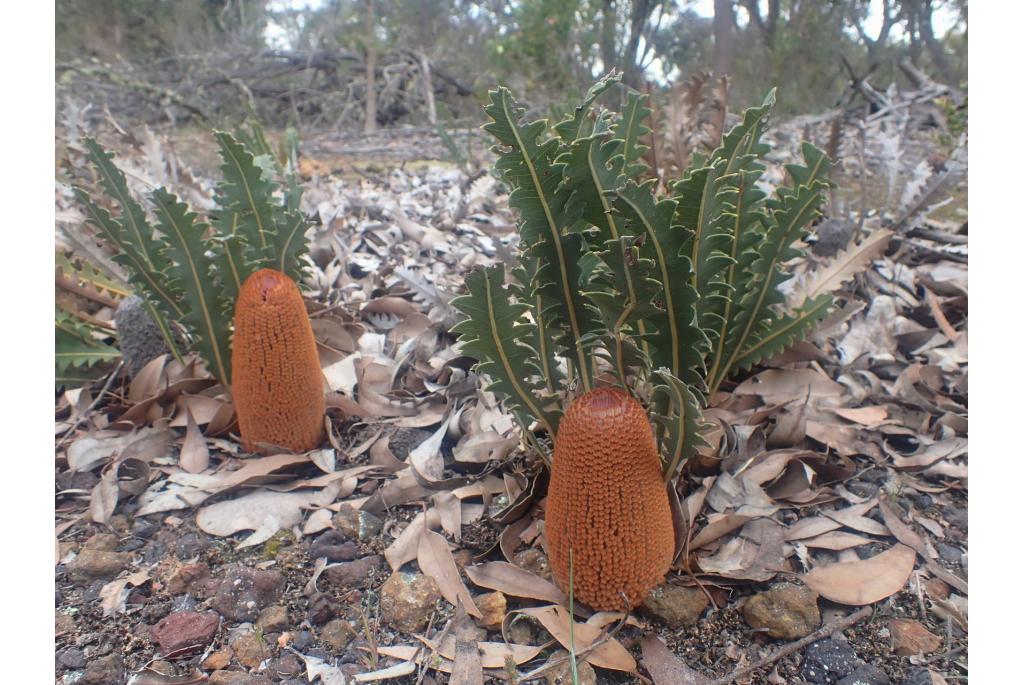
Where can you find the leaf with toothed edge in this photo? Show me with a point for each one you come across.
(496, 332)
(205, 307)
(528, 166)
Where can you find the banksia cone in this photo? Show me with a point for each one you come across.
(276, 379)
(607, 501)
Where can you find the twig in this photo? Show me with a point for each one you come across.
(824, 631)
(581, 655)
(91, 407)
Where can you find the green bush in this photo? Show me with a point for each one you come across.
(667, 296)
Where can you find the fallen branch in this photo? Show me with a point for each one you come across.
(824, 631)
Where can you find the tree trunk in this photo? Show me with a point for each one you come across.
(725, 38)
(630, 69)
(370, 123)
(609, 17)
(935, 48)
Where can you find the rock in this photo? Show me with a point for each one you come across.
(355, 574)
(321, 609)
(919, 676)
(64, 623)
(302, 640)
(785, 611)
(866, 675)
(91, 564)
(250, 650)
(138, 336)
(107, 670)
(404, 440)
(184, 629)
(534, 561)
(493, 606)
(285, 666)
(189, 546)
(407, 600)
(337, 634)
(101, 542)
(910, 637)
(234, 678)
(828, 661)
(676, 606)
(357, 525)
(70, 658)
(334, 546)
(833, 235)
(163, 668)
(273, 619)
(142, 528)
(951, 554)
(189, 578)
(218, 660)
(245, 592)
(562, 673)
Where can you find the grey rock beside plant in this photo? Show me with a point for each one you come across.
(138, 336)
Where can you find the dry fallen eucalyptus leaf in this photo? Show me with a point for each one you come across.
(862, 582)
(609, 654)
(512, 580)
(195, 456)
(665, 667)
(436, 561)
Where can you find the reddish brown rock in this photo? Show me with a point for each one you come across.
(910, 637)
(185, 629)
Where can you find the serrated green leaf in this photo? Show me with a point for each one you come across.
(791, 211)
(191, 268)
(676, 411)
(133, 229)
(243, 197)
(630, 129)
(76, 347)
(678, 342)
(572, 127)
(496, 332)
(86, 272)
(783, 331)
(528, 167)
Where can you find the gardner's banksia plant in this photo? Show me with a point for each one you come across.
(276, 378)
(607, 502)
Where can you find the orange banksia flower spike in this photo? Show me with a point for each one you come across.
(276, 380)
(607, 502)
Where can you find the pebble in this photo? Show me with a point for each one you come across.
(218, 660)
(492, 606)
(249, 649)
(355, 574)
(302, 640)
(70, 658)
(244, 592)
(534, 561)
(785, 611)
(407, 600)
(185, 629)
(273, 619)
(64, 623)
(951, 554)
(337, 634)
(101, 542)
(108, 670)
(97, 563)
(334, 546)
(956, 517)
(143, 528)
(189, 578)
(920, 676)
(357, 525)
(285, 666)
(321, 609)
(828, 661)
(676, 606)
(866, 675)
(562, 673)
(189, 545)
(910, 637)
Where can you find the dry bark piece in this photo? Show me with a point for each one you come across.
(276, 379)
(607, 503)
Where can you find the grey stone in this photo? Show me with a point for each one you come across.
(828, 661)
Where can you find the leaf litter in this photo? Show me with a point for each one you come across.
(841, 463)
